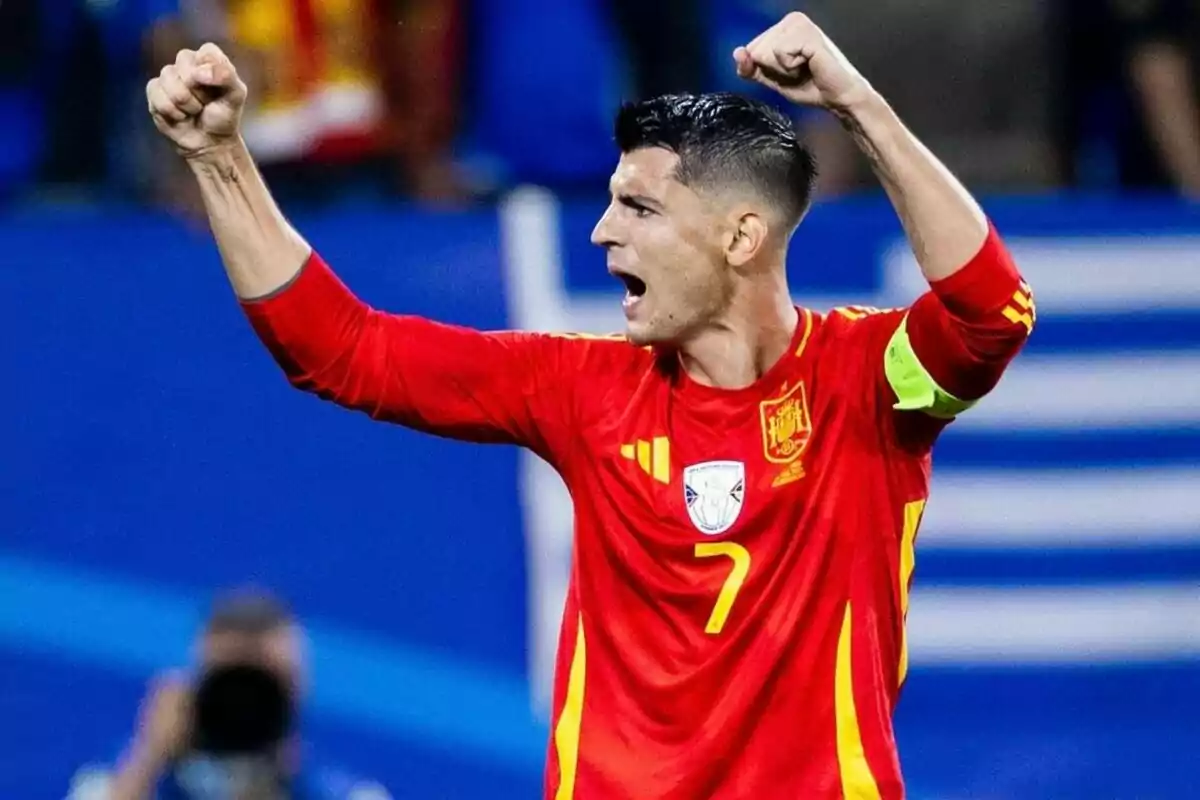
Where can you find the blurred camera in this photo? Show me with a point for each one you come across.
(240, 710)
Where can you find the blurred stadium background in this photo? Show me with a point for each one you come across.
(450, 162)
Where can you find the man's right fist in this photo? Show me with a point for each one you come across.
(197, 101)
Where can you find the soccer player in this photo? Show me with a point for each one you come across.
(748, 476)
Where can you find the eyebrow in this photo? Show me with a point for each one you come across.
(639, 199)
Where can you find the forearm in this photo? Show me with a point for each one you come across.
(261, 251)
(1162, 75)
(323, 337)
(137, 778)
(944, 224)
(979, 312)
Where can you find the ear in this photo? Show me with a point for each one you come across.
(747, 240)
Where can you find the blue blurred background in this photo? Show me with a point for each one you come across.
(155, 455)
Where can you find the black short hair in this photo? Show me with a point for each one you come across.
(725, 139)
(249, 611)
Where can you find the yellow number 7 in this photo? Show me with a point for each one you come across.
(733, 583)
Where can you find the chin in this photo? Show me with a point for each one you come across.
(646, 335)
(640, 332)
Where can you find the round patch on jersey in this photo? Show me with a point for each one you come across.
(714, 492)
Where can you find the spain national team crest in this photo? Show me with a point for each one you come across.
(714, 492)
(786, 425)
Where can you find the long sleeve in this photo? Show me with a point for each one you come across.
(912, 370)
(962, 334)
(508, 387)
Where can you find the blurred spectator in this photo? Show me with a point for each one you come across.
(1131, 116)
(228, 729)
(971, 79)
(343, 92)
(20, 104)
(667, 44)
(77, 107)
(90, 72)
(552, 74)
(422, 41)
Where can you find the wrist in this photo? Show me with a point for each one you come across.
(221, 155)
(862, 109)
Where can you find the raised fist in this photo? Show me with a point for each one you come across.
(795, 58)
(197, 101)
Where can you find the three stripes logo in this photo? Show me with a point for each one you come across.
(654, 457)
(1022, 311)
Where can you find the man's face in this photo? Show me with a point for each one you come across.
(278, 650)
(664, 241)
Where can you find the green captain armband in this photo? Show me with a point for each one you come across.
(915, 388)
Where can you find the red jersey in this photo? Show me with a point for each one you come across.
(734, 626)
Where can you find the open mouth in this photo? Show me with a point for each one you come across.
(634, 286)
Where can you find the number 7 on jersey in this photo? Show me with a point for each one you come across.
(733, 583)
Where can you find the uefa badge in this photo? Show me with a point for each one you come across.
(714, 492)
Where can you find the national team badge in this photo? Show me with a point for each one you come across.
(786, 425)
(714, 492)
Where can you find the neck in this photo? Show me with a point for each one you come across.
(749, 339)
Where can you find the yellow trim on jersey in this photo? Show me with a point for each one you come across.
(908, 561)
(857, 781)
(915, 388)
(590, 337)
(808, 326)
(566, 733)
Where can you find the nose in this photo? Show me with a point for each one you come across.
(604, 234)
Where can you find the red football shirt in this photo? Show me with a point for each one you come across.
(734, 626)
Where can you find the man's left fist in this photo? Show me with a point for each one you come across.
(796, 59)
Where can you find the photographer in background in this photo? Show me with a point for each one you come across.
(228, 730)
(1131, 95)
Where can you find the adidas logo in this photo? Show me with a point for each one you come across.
(654, 457)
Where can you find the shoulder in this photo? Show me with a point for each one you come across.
(607, 343)
(851, 344)
(600, 355)
(858, 318)
(849, 328)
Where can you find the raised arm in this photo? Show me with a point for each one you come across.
(954, 343)
(197, 104)
(448, 380)
(162, 734)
